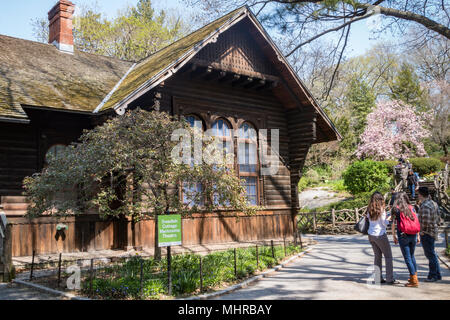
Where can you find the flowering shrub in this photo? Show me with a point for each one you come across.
(393, 130)
(430, 176)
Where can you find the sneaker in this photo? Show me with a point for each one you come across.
(382, 281)
(393, 282)
(431, 280)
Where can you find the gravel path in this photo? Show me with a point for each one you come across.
(336, 269)
(15, 291)
(318, 197)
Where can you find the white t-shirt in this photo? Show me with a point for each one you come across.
(378, 227)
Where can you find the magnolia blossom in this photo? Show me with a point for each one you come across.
(393, 130)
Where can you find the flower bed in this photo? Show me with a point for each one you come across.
(122, 280)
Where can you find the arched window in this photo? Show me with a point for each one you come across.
(190, 189)
(248, 160)
(221, 129)
(194, 122)
(54, 151)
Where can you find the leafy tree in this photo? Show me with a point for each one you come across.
(126, 167)
(134, 34)
(439, 100)
(361, 101)
(393, 130)
(406, 87)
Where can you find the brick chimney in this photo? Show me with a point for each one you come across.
(60, 22)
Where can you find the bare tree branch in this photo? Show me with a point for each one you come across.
(328, 31)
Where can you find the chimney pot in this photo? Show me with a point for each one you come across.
(60, 24)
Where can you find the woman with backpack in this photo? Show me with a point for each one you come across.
(408, 226)
(378, 238)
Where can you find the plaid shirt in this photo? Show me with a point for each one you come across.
(429, 218)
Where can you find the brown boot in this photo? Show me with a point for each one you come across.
(413, 282)
(409, 279)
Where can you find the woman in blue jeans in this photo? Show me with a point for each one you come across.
(407, 242)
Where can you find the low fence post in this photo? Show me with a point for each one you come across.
(235, 263)
(301, 242)
(314, 222)
(59, 269)
(201, 274)
(273, 252)
(169, 270)
(356, 214)
(141, 288)
(91, 276)
(333, 217)
(257, 257)
(32, 265)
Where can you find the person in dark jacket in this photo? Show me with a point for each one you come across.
(412, 183)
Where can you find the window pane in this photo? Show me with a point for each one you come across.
(221, 128)
(194, 122)
(190, 191)
(251, 189)
(54, 151)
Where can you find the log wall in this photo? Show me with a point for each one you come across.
(91, 233)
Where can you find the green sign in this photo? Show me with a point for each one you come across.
(169, 230)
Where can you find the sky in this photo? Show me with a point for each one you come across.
(16, 17)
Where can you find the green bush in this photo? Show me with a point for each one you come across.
(425, 166)
(389, 164)
(309, 179)
(367, 176)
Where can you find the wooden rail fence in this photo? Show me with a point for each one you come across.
(311, 220)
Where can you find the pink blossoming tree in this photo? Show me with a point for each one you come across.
(393, 130)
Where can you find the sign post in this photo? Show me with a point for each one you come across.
(169, 234)
(169, 230)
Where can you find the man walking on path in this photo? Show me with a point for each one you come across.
(429, 218)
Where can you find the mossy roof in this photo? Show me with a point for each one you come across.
(160, 60)
(38, 74)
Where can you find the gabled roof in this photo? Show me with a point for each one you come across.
(37, 74)
(163, 64)
(160, 63)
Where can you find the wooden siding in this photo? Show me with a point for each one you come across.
(91, 233)
(18, 156)
(261, 108)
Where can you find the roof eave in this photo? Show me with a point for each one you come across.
(300, 83)
(172, 68)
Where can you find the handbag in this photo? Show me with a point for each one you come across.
(362, 226)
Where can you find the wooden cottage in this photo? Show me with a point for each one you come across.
(228, 74)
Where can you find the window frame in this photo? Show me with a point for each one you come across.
(255, 174)
(181, 192)
(235, 116)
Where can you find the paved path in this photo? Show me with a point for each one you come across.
(336, 268)
(14, 291)
(318, 197)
